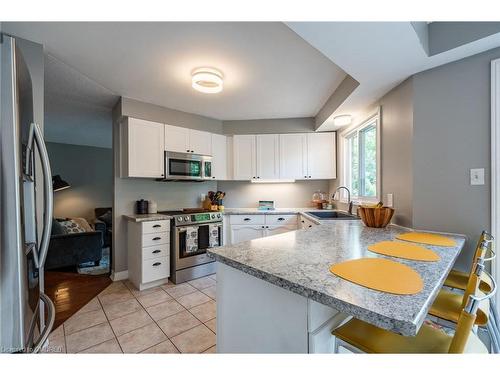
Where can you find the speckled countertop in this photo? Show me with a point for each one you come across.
(146, 217)
(277, 211)
(299, 261)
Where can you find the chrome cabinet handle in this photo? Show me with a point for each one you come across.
(156, 251)
(156, 264)
(51, 315)
(247, 219)
(156, 238)
(35, 134)
(157, 226)
(281, 219)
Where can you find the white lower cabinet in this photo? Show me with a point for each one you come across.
(242, 233)
(305, 223)
(250, 227)
(148, 253)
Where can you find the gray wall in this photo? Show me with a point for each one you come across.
(396, 150)
(452, 135)
(152, 112)
(269, 126)
(286, 195)
(171, 195)
(89, 171)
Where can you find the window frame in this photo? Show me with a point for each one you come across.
(372, 120)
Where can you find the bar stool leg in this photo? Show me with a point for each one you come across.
(493, 333)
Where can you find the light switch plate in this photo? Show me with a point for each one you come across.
(477, 176)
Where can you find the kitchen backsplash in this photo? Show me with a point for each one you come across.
(285, 195)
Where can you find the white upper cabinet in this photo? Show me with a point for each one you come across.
(321, 161)
(200, 142)
(267, 156)
(142, 148)
(219, 157)
(176, 139)
(293, 156)
(244, 157)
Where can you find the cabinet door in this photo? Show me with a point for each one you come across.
(200, 142)
(176, 139)
(145, 148)
(293, 156)
(271, 230)
(267, 156)
(306, 223)
(244, 157)
(321, 162)
(219, 157)
(241, 233)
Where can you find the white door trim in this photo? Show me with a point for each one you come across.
(495, 163)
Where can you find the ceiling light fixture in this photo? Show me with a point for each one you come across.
(342, 120)
(207, 80)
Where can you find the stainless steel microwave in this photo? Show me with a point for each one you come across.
(187, 167)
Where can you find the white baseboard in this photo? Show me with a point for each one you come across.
(117, 276)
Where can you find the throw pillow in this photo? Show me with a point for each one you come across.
(83, 223)
(57, 228)
(72, 226)
(107, 218)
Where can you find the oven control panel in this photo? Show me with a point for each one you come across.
(198, 218)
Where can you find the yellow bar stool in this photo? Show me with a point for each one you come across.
(359, 336)
(448, 305)
(458, 279)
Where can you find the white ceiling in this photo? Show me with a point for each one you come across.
(270, 72)
(379, 55)
(77, 110)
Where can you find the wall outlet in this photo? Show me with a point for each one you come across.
(389, 200)
(202, 197)
(477, 176)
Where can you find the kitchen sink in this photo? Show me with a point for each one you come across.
(332, 215)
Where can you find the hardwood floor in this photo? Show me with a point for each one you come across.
(71, 291)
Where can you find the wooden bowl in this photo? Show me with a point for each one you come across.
(375, 217)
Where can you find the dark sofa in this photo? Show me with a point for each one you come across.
(72, 249)
(104, 224)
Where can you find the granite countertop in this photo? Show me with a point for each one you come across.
(299, 261)
(147, 217)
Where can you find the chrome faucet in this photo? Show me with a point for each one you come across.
(348, 197)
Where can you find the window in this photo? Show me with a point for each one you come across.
(361, 159)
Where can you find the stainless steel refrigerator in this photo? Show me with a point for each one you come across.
(26, 313)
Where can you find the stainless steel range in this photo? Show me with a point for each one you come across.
(191, 235)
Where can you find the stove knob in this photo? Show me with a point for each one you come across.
(186, 218)
(213, 216)
(179, 219)
(218, 216)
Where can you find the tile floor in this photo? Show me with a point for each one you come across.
(166, 319)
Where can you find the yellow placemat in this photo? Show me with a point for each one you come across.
(380, 274)
(404, 250)
(427, 238)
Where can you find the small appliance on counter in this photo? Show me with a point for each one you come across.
(266, 205)
(141, 207)
(152, 207)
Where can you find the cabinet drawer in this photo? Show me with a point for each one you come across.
(247, 219)
(281, 219)
(154, 239)
(155, 269)
(155, 226)
(152, 252)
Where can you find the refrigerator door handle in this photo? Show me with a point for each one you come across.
(51, 315)
(36, 135)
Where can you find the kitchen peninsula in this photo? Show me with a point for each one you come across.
(277, 295)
